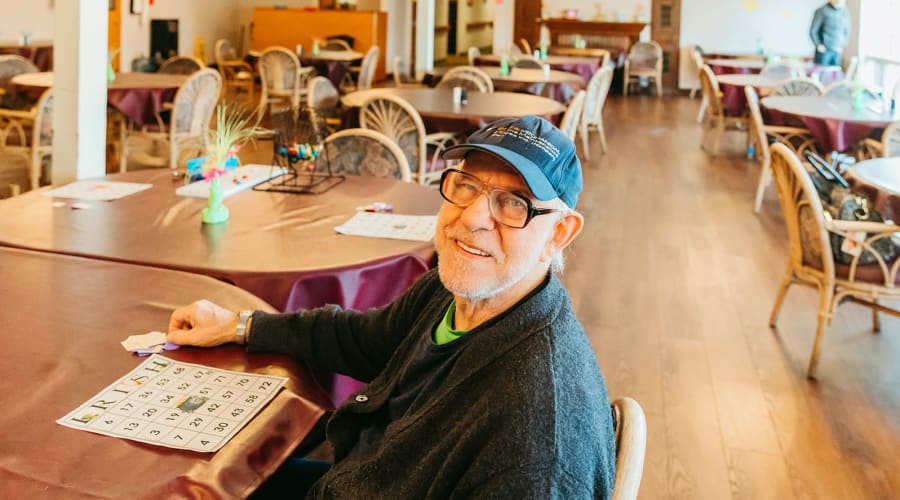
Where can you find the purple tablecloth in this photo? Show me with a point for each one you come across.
(735, 101)
(830, 135)
(140, 105)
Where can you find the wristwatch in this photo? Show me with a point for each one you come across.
(243, 325)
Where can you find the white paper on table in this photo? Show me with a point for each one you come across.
(394, 226)
(97, 190)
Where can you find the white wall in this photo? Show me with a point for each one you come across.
(479, 11)
(33, 16)
(608, 10)
(441, 18)
(778, 26)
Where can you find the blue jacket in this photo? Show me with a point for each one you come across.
(830, 27)
(515, 408)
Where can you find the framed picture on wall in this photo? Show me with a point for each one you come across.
(137, 6)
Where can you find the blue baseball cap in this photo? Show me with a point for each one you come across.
(540, 152)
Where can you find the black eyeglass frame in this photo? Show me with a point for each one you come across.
(487, 189)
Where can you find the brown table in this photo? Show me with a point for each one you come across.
(280, 247)
(139, 96)
(63, 321)
(440, 115)
(583, 66)
(40, 53)
(556, 85)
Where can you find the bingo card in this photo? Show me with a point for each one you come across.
(179, 405)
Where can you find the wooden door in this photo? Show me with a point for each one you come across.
(664, 28)
(115, 30)
(527, 21)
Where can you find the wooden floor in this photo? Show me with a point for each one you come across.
(674, 278)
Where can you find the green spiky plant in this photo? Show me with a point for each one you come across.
(235, 126)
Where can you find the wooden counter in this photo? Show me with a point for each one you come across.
(289, 27)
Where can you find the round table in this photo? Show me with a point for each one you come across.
(139, 96)
(732, 86)
(728, 66)
(556, 85)
(441, 115)
(879, 180)
(333, 64)
(583, 66)
(834, 123)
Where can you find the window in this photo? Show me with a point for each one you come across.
(879, 44)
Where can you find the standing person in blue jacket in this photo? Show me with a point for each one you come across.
(829, 32)
(481, 381)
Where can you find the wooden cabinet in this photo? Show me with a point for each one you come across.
(289, 27)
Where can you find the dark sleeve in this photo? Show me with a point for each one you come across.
(358, 344)
(536, 481)
(815, 29)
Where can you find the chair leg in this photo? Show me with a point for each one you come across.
(123, 151)
(782, 291)
(658, 81)
(823, 317)
(876, 321)
(702, 113)
(765, 177)
(602, 132)
(720, 130)
(625, 83)
(584, 140)
(693, 92)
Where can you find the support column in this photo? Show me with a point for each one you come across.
(504, 20)
(79, 90)
(424, 37)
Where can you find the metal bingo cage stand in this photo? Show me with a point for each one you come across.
(299, 148)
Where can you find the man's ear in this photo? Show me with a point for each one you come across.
(564, 231)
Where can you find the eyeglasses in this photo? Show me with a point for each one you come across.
(511, 209)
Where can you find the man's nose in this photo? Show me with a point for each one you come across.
(478, 214)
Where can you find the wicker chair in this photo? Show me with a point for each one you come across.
(592, 117)
(799, 140)
(397, 119)
(466, 81)
(844, 90)
(30, 133)
(236, 73)
(811, 261)
(801, 86)
(358, 151)
(572, 117)
(645, 59)
(336, 44)
(697, 63)
(715, 119)
(526, 47)
(782, 70)
(284, 81)
(401, 78)
(186, 136)
(10, 66)
(473, 71)
(889, 146)
(630, 426)
(324, 102)
(529, 62)
(181, 65)
(366, 73)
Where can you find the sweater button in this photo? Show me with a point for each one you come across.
(361, 398)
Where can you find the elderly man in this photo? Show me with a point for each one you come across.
(829, 32)
(481, 381)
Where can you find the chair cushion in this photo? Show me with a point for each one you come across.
(870, 273)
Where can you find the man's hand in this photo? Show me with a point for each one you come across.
(202, 324)
(820, 48)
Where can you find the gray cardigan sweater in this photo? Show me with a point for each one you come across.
(830, 27)
(516, 408)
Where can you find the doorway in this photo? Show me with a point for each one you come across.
(665, 26)
(451, 28)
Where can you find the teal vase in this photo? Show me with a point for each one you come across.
(215, 212)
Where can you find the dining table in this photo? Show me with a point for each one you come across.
(879, 180)
(554, 84)
(39, 52)
(583, 66)
(732, 87)
(332, 64)
(139, 96)
(833, 121)
(440, 114)
(64, 319)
